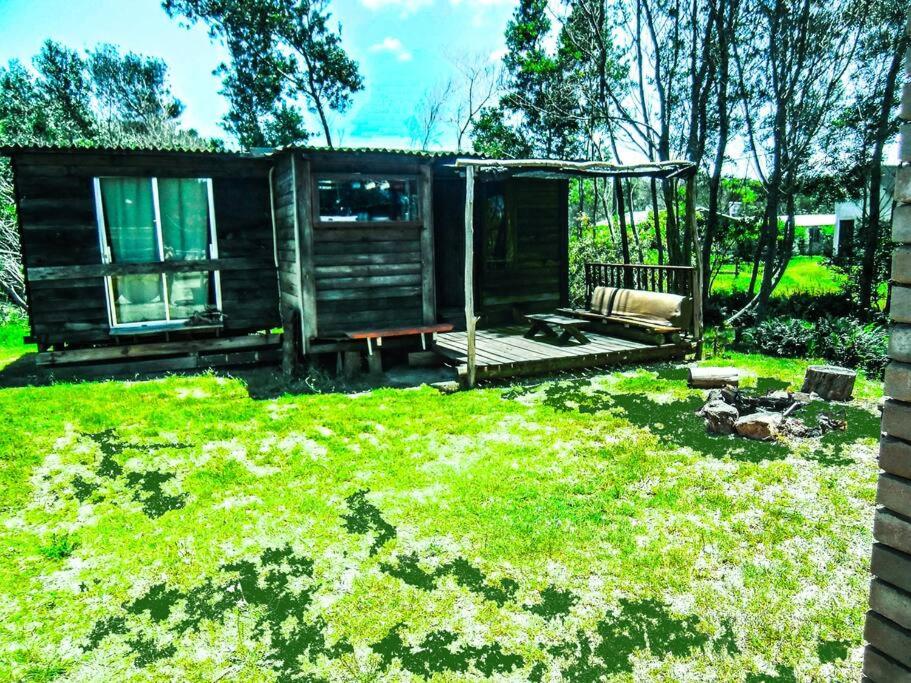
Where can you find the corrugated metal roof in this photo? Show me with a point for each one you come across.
(202, 148)
(422, 153)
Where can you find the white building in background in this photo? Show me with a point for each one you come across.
(849, 214)
(847, 217)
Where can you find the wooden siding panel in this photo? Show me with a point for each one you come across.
(55, 196)
(367, 277)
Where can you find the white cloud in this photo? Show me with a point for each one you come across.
(394, 47)
(498, 54)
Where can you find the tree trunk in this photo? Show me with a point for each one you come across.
(632, 224)
(671, 229)
(830, 382)
(656, 217)
(872, 233)
(624, 238)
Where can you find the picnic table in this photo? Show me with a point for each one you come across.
(552, 325)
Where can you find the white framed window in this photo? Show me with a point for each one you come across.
(152, 220)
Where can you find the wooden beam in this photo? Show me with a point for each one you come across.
(157, 349)
(596, 168)
(42, 273)
(470, 320)
(428, 284)
(304, 216)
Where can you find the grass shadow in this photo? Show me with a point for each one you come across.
(268, 590)
(638, 625)
(860, 424)
(147, 486)
(674, 421)
(764, 385)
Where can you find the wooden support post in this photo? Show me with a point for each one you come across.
(303, 216)
(428, 278)
(289, 343)
(470, 320)
(699, 271)
(375, 362)
(351, 364)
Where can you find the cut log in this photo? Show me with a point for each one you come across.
(714, 378)
(830, 382)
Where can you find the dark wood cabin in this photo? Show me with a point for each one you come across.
(135, 254)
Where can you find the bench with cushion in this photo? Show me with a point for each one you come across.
(638, 314)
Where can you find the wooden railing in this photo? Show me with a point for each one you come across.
(671, 279)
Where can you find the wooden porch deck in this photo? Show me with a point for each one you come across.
(505, 352)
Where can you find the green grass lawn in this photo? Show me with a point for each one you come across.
(804, 274)
(582, 529)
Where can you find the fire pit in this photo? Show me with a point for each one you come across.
(734, 411)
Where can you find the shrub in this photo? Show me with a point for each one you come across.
(844, 341)
(805, 305)
(780, 337)
(61, 546)
(853, 344)
(586, 248)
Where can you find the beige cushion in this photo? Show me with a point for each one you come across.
(664, 309)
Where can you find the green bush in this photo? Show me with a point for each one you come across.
(853, 344)
(787, 337)
(843, 341)
(586, 248)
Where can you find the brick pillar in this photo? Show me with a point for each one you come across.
(888, 628)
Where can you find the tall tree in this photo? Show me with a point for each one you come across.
(68, 98)
(284, 55)
(476, 86)
(790, 77)
(424, 124)
(882, 47)
(539, 95)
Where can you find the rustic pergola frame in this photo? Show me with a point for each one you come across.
(559, 168)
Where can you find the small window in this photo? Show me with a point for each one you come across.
(152, 220)
(367, 199)
(497, 227)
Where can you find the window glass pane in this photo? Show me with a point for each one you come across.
(497, 227)
(368, 199)
(184, 207)
(129, 216)
(188, 293)
(138, 298)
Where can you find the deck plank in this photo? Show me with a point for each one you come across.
(506, 352)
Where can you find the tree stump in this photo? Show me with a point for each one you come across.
(830, 382)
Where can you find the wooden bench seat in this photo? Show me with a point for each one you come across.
(400, 331)
(640, 322)
(373, 355)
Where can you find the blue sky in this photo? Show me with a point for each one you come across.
(404, 48)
